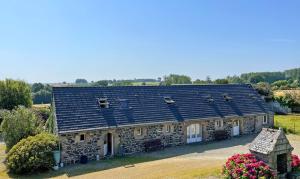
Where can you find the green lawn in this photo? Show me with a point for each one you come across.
(290, 123)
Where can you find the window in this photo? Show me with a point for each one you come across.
(265, 120)
(209, 99)
(218, 124)
(103, 103)
(168, 128)
(227, 97)
(82, 137)
(139, 131)
(169, 100)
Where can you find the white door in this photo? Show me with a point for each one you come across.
(236, 128)
(105, 149)
(194, 133)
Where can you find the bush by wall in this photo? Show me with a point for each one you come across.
(246, 166)
(32, 154)
(295, 163)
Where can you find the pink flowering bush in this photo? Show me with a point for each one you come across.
(295, 163)
(246, 166)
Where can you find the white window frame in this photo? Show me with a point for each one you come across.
(83, 137)
(168, 128)
(139, 131)
(219, 124)
(265, 120)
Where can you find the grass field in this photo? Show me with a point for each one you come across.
(291, 123)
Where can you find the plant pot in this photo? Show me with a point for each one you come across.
(56, 156)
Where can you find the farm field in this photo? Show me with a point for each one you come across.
(291, 122)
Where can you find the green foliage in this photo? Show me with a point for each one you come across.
(43, 113)
(37, 87)
(14, 93)
(50, 123)
(81, 81)
(122, 83)
(221, 81)
(101, 83)
(32, 154)
(199, 82)
(177, 79)
(265, 90)
(268, 77)
(18, 124)
(42, 97)
(290, 99)
(293, 74)
(42, 94)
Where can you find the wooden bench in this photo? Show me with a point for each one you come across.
(153, 145)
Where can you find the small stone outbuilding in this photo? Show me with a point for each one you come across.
(273, 147)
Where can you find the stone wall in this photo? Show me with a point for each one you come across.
(131, 143)
(72, 148)
(127, 141)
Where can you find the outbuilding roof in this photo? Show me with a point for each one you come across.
(78, 108)
(268, 139)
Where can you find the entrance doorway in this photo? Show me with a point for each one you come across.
(236, 128)
(194, 133)
(282, 163)
(108, 145)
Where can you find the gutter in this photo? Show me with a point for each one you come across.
(153, 123)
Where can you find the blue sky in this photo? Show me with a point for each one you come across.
(60, 40)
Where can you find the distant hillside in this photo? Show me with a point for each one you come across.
(271, 77)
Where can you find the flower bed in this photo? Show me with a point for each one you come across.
(246, 166)
(295, 163)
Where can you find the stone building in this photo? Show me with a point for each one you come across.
(107, 121)
(272, 147)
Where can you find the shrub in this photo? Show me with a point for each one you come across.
(295, 163)
(32, 154)
(246, 166)
(19, 124)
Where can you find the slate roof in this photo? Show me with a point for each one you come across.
(77, 108)
(267, 140)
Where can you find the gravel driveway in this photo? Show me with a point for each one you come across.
(191, 161)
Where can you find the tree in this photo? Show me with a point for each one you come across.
(264, 89)
(122, 83)
(234, 79)
(102, 83)
(81, 81)
(42, 97)
(37, 87)
(255, 78)
(14, 93)
(177, 79)
(18, 124)
(208, 80)
(199, 82)
(221, 81)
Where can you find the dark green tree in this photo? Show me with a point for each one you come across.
(18, 124)
(81, 81)
(101, 83)
(221, 81)
(14, 93)
(177, 79)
